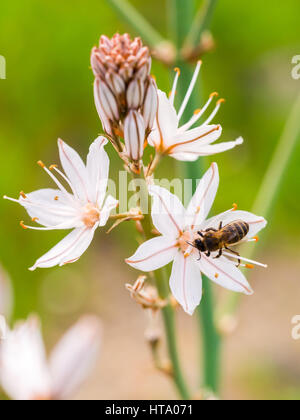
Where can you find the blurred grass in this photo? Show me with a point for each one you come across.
(48, 94)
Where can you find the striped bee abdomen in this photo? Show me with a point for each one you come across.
(234, 232)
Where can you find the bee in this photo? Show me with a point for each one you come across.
(212, 240)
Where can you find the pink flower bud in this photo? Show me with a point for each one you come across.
(104, 120)
(107, 100)
(134, 135)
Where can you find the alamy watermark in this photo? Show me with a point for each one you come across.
(296, 68)
(296, 329)
(2, 67)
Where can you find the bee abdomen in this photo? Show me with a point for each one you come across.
(237, 231)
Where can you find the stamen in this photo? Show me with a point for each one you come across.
(234, 207)
(249, 266)
(22, 194)
(197, 111)
(54, 167)
(54, 210)
(197, 115)
(173, 91)
(217, 275)
(22, 225)
(244, 259)
(35, 219)
(60, 186)
(41, 164)
(213, 94)
(256, 238)
(190, 90)
(215, 111)
(56, 198)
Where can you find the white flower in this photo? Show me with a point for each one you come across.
(83, 210)
(179, 227)
(184, 142)
(26, 374)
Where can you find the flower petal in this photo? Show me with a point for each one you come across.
(200, 136)
(165, 124)
(167, 212)
(74, 356)
(203, 198)
(186, 282)
(225, 273)
(24, 374)
(74, 169)
(256, 223)
(153, 254)
(49, 207)
(109, 205)
(97, 170)
(68, 250)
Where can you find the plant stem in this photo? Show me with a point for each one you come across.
(162, 284)
(201, 23)
(137, 21)
(265, 201)
(210, 335)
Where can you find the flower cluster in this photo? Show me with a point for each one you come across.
(134, 114)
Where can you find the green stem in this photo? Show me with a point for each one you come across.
(162, 284)
(201, 23)
(137, 21)
(162, 281)
(265, 201)
(211, 339)
(210, 335)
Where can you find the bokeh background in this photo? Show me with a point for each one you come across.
(48, 94)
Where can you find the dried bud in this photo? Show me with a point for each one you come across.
(150, 105)
(134, 135)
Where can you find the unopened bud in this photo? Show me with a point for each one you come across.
(107, 101)
(134, 135)
(104, 120)
(135, 94)
(150, 105)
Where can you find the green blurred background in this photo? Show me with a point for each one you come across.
(48, 94)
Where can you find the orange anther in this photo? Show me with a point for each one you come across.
(249, 265)
(41, 164)
(177, 70)
(198, 209)
(23, 195)
(56, 198)
(213, 94)
(216, 275)
(197, 111)
(256, 238)
(52, 167)
(221, 101)
(234, 207)
(35, 219)
(22, 225)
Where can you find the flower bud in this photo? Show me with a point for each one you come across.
(134, 135)
(104, 120)
(135, 94)
(150, 105)
(107, 100)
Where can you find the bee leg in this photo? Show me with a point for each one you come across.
(199, 256)
(208, 254)
(236, 253)
(219, 254)
(211, 230)
(220, 225)
(200, 234)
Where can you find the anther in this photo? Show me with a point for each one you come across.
(198, 209)
(22, 225)
(197, 111)
(213, 94)
(234, 207)
(23, 195)
(256, 238)
(216, 275)
(35, 219)
(249, 266)
(56, 198)
(41, 164)
(177, 70)
(221, 101)
(52, 167)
